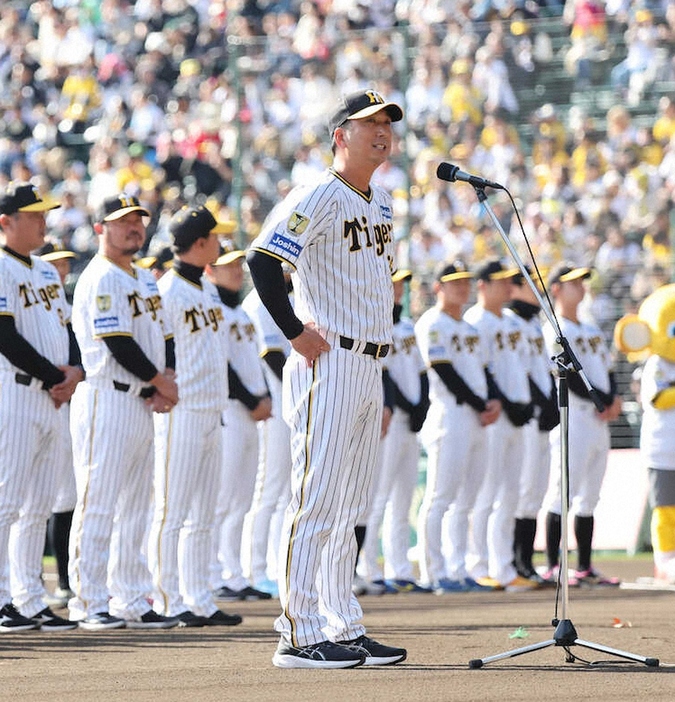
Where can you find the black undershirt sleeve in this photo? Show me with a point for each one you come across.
(578, 387)
(131, 357)
(458, 387)
(170, 352)
(268, 278)
(20, 353)
(239, 392)
(74, 355)
(389, 389)
(276, 360)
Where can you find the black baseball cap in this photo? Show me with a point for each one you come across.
(401, 274)
(564, 272)
(162, 260)
(229, 252)
(118, 206)
(195, 222)
(24, 197)
(494, 270)
(54, 251)
(360, 104)
(456, 270)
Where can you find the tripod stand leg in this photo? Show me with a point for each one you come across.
(651, 662)
(480, 662)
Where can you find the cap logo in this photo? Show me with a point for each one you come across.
(374, 97)
(126, 201)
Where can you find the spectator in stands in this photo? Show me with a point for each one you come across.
(630, 77)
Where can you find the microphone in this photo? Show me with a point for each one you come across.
(446, 171)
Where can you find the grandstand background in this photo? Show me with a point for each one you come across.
(570, 104)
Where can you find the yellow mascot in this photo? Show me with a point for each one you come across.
(650, 334)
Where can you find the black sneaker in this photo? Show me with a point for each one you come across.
(12, 620)
(48, 621)
(101, 621)
(325, 654)
(220, 618)
(250, 593)
(375, 653)
(226, 594)
(152, 620)
(190, 619)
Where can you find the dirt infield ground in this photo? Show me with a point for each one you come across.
(441, 633)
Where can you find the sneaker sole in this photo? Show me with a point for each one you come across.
(388, 660)
(5, 629)
(101, 627)
(60, 627)
(150, 625)
(283, 661)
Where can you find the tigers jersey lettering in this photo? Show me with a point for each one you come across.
(443, 339)
(31, 295)
(243, 345)
(196, 317)
(125, 304)
(331, 230)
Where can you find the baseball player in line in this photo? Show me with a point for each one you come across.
(272, 489)
(588, 428)
(248, 403)
(337, 235)
(398, 458)
(39, 370)
(508, 365)
(128, 355)
(188, 440)
(454, 433)
(524, 310)
(58, 527)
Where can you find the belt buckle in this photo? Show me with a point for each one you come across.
(382, 350)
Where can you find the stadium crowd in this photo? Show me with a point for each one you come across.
(175, 99)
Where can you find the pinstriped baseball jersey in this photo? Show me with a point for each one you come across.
(404, 361)
(243, 348)
(540, 364)
(270, 338)
(588, 343)
(443, 339)
(340, 242)
(125, 304)
(32, 294)
(197, 315)
(508, 352)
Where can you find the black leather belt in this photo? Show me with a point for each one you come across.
(370, 349)
(145, 392)
(27, 380)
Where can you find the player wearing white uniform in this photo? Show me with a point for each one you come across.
(454, 434)
(127, 353)
(38, 373)
(188, 440)
(588, 428)
(58, 527)
(248, 403)
(524, 309)
(272, 490)
(337, 235)
(508, 364)
(398, 457)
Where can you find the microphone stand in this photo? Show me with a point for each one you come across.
(565, 635)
